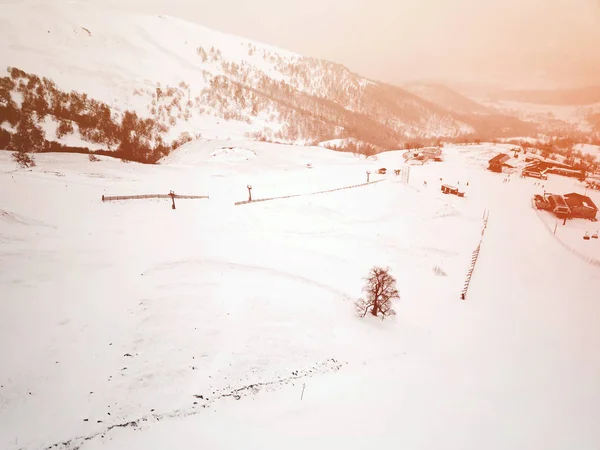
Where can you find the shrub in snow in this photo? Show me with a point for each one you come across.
(93, 158)
(380, 292)
(439, 271)
(23, 159)
(183, 138)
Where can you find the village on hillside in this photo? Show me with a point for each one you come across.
(564, 206)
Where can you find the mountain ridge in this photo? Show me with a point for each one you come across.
(447, 97)
(189, 80)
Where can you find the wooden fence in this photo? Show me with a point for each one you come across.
(587, 259)
(245, 202)
(474, 256)
(108, 198)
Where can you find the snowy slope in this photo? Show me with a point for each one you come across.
(106, 53)
(191, 79)
(553, 117)
(556, 111)
(177, 327)
(448, 98)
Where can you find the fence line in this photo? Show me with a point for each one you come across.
(474, 256)
(107, 198)
(587, 259)
(245, 202)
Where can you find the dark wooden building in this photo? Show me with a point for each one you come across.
(559, 206)
(581, 206)
(447, 189)
(497, 162)
(575, 173)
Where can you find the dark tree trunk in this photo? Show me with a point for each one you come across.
(375, 309)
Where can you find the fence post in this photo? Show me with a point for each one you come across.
(172, 195)
(249, 193)
(368, 173)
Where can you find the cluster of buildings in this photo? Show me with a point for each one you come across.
(567, 205)
(424, 154)
(572, 205)
(536, 167)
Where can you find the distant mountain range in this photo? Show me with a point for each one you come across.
(571, 112)
(584, 96)
(448, 98)
(141, 85)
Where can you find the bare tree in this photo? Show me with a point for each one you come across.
(380, 291)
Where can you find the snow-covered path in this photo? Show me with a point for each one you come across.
(531, 325)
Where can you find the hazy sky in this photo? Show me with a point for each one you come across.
(528, 42)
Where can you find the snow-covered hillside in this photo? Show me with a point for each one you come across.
(574, 112)
(132, 325)
(448, 98)
(552, 118)
(191, 80)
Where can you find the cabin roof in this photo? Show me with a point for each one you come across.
(500, 158)
(575, 199)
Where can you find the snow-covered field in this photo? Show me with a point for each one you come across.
(129, 325)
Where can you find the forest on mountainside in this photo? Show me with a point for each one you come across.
(317, 101)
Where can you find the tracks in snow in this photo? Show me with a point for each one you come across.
(203, 401)
(251, 267)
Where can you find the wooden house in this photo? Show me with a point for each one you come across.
(558, 205)
(581, 206)
(447, 189)
(498, 162)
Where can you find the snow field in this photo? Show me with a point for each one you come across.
(131, 308)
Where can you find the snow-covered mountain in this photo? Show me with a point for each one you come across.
(76, 72)
(447, 97)
(572, 112)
